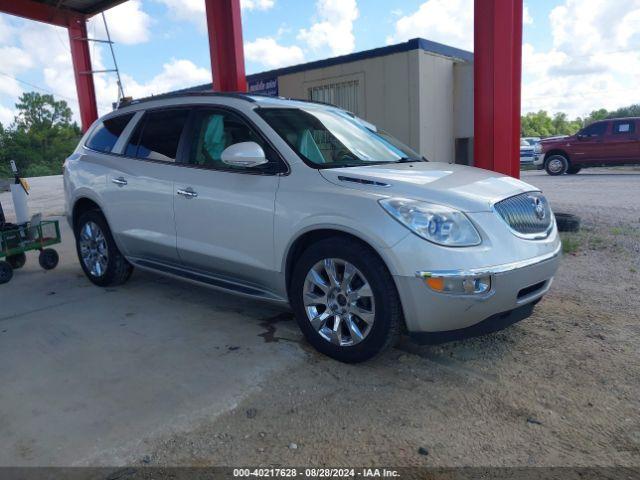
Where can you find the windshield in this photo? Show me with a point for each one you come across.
(330, 138)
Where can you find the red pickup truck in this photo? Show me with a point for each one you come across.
(606, 143)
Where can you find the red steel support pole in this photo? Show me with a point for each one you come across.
(224, 23)
(81, 59)
(498, 77)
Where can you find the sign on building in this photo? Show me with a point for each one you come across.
(264, 87)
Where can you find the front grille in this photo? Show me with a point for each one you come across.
(527, 214)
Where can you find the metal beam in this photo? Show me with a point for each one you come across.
(224, 23)
(40, 12)
(498, 76)
(81, 59)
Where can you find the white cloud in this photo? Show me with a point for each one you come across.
(188, 10)
(49, 48)
(333, 28)
(257, 4)
(527, 19)
(175, 74)
(194, 10)
(6, 116)
(10, 87)
(14, 60)
(269, 53)
(7, 31)
(128, 23)
(594, 61)
(444, 21)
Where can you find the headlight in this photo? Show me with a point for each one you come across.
(436, 223)
(537, 148)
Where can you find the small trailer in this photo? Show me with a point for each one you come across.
(25, 236)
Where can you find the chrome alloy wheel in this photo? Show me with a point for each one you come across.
(93, 249)
(555, 165)
(339, 302)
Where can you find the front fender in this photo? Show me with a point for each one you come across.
(376, 238)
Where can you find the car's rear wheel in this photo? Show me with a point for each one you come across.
(557, 165)
(98, 253)
(345, 300)
(573, 170)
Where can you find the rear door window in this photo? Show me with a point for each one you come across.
(157, 135)
(625, 127)
(105, 136)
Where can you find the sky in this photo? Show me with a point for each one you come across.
(578, 55)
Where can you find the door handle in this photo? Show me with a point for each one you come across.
(188, 193)
(120, 181)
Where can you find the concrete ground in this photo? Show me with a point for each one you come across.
(157, 372)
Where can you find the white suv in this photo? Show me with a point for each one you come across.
(302, 203)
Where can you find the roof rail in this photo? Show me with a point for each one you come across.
(205, 93)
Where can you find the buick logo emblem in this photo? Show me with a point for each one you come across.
(538, 208)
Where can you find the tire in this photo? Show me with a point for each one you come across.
(6, 272)
(567, 222)
(556, 165)
(102, 262)
(48, 259)
(379, 305)
(574, 170)
(17, 261)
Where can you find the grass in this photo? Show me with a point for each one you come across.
(571, 243)
(625, 230)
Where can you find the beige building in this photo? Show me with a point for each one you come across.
(419, 91)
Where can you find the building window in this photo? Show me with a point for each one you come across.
(343, 95)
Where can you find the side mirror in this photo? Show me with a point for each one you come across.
(245, 154)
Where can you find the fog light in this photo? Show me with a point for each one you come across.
(458, 285)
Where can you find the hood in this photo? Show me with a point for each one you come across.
(464, 188)
(555, 139)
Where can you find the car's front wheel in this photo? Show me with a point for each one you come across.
(345, 300)
(557, 165)
(98, 253)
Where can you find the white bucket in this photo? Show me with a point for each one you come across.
(20, 203)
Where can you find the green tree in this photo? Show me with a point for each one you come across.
(630, 111)
(538, 124)
(41, 136)
(596, 115)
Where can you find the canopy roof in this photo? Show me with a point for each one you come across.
(84, 7)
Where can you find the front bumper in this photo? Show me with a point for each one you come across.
(538, 161)
(513, 285)
(492, 324)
